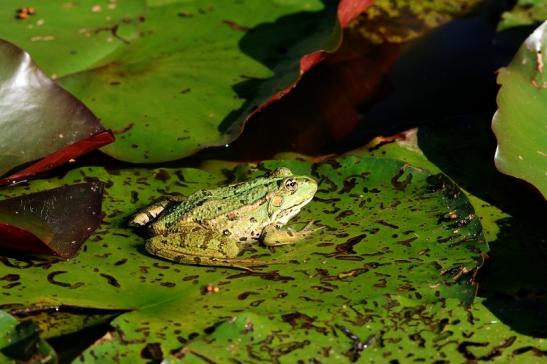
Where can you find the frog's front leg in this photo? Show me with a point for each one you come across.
(193, 244)
(274, 235)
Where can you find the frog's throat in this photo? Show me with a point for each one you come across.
(287, 214)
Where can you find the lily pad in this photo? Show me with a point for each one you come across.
(519, 123)
(395, 240)
(20, 342)
(56, 221)
(403, 20)
(39, 120)
(174, 77)
(524, 13)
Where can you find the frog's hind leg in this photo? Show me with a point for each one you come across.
(194, 244)
(149, 213)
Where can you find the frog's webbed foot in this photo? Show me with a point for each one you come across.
(149, 213)
(274, 236)
(202, 247)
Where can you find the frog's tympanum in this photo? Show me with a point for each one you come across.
(212, 227)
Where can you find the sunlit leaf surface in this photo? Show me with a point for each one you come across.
(174, 77)
(395, 238)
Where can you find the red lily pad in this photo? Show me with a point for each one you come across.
(54, 222)
(39, 120)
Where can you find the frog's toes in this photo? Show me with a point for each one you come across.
(310, 228)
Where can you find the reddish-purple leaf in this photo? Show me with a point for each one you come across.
(38, 118)
(55, 222)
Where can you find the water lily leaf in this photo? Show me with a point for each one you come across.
(519, 123)
(56, 221)
(396, 238)
(174, 77)
(513, 303)
(39, 120)
(524, 13)
(20, 342)
(402, 20)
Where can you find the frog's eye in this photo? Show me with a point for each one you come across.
(291, 184)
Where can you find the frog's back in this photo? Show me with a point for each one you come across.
(204, 205)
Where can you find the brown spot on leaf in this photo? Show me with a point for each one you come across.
(401, 185)
(51, 279)
(10, 277)
(232, 24)
(111, 280)
(385, 223)
(244, 295)
(152, 351)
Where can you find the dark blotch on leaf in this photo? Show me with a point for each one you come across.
(51, 279)
(10, 277)
(256, 303)
(244, 295)
(152, 351)
(385, 223)
(162, 175)
(121, 261)
(401, 185)
(407, 242)
(111, 280)
(271, 276)
(347, 247)
(232, 24)
(441, 183)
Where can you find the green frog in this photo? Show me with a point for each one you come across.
(213, 226)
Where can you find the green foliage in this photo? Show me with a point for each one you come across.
(402, 20)
(519, 124)
(525, 13)
(507, 321)
(391, 276)
(396, 239)
(191, 71)
(20, 342)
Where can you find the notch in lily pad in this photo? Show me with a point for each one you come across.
(53, 222)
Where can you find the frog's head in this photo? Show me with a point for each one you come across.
(293, 192)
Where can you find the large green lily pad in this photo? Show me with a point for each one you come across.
(174, 77)
(395, 238)
(519, 123)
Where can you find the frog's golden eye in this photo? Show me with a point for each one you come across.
(291, 184)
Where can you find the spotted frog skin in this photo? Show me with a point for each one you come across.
(212, 227)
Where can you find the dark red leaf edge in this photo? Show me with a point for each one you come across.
(15, 238)
(347, 11)
(59, 157)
